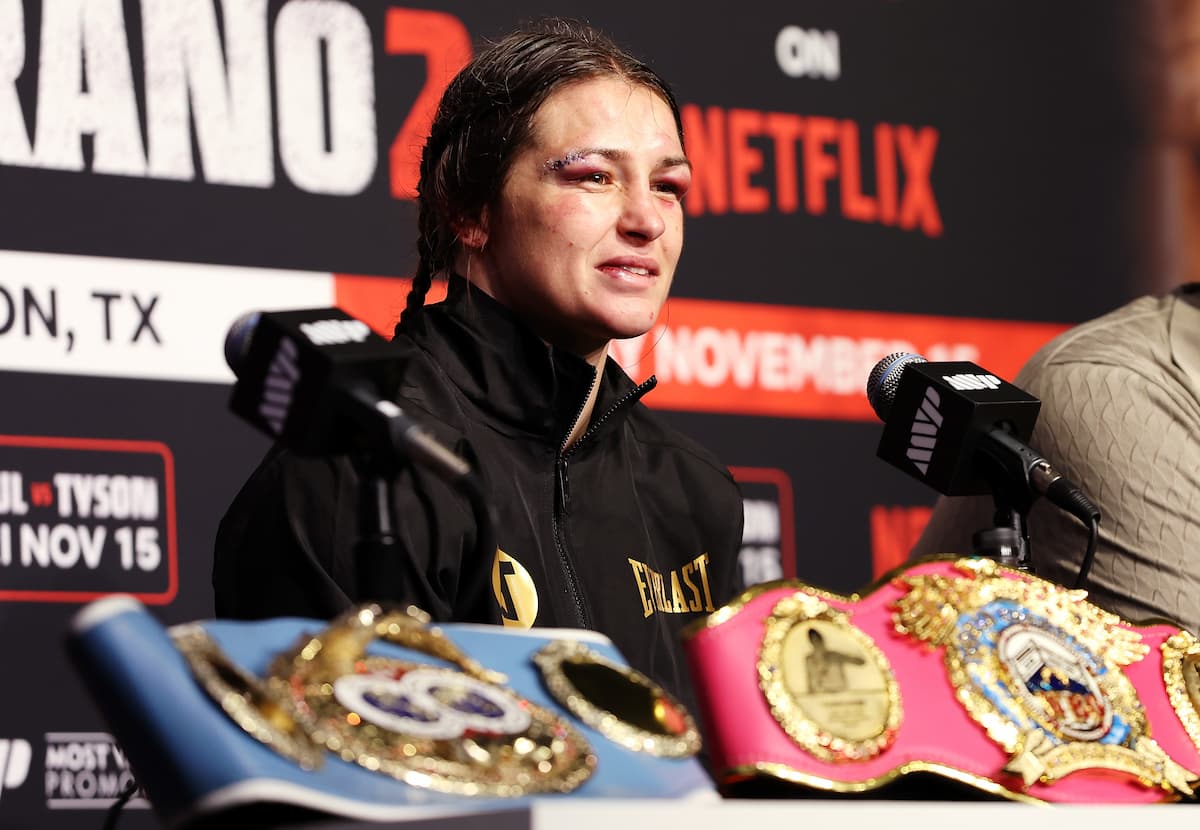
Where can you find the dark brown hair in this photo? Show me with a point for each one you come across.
(484, 119)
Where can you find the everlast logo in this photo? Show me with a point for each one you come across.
(277, 389)
(684, 595)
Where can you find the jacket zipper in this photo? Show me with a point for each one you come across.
(562, 507)
(563, 482)
(636, 392)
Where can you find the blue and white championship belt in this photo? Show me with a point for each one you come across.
(378, 715)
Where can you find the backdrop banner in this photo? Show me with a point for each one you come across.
(960, 180)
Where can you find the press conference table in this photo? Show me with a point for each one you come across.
(718, 814)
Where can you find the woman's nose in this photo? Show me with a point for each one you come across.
(641, 214)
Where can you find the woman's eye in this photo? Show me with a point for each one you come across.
(673, 188)
(589, 177)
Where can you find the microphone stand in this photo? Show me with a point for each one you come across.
(377, 555)
(1007, 540)
(392, 440)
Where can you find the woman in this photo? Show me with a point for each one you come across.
(550, 195)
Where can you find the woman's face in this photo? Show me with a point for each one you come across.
(584, 239)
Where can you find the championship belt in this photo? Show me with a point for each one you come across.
(378, 714)
(454, 729)
(956, 668)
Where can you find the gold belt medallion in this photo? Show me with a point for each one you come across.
(1039, 669)
(827, 683)
(442, 729)
(617, 701)
(1181, 674)
(251, 703)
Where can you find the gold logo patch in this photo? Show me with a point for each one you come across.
(514, 591)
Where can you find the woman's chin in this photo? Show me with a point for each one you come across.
(632, 319)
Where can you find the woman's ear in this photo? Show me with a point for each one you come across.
(472, 233)
(473, 236)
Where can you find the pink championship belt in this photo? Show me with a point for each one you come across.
(956, 667)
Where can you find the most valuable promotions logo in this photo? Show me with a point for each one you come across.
(86, 770)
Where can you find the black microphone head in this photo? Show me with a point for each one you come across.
(296, 368)
(938, 415)
(885, 378)
(237, 341)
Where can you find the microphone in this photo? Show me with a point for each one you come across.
(319, 381)
(963, 431)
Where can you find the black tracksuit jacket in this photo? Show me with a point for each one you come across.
(634, 531)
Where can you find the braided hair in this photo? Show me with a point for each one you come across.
(485, 118)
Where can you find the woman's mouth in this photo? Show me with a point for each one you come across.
(630, 269)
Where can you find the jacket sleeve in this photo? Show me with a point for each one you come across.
(296, 541)
(729, 580)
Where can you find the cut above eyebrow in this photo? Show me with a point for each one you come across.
(569, 158)
(612, 155)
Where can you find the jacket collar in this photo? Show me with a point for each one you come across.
(509, 372)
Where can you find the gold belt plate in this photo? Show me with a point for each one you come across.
(827, 683)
